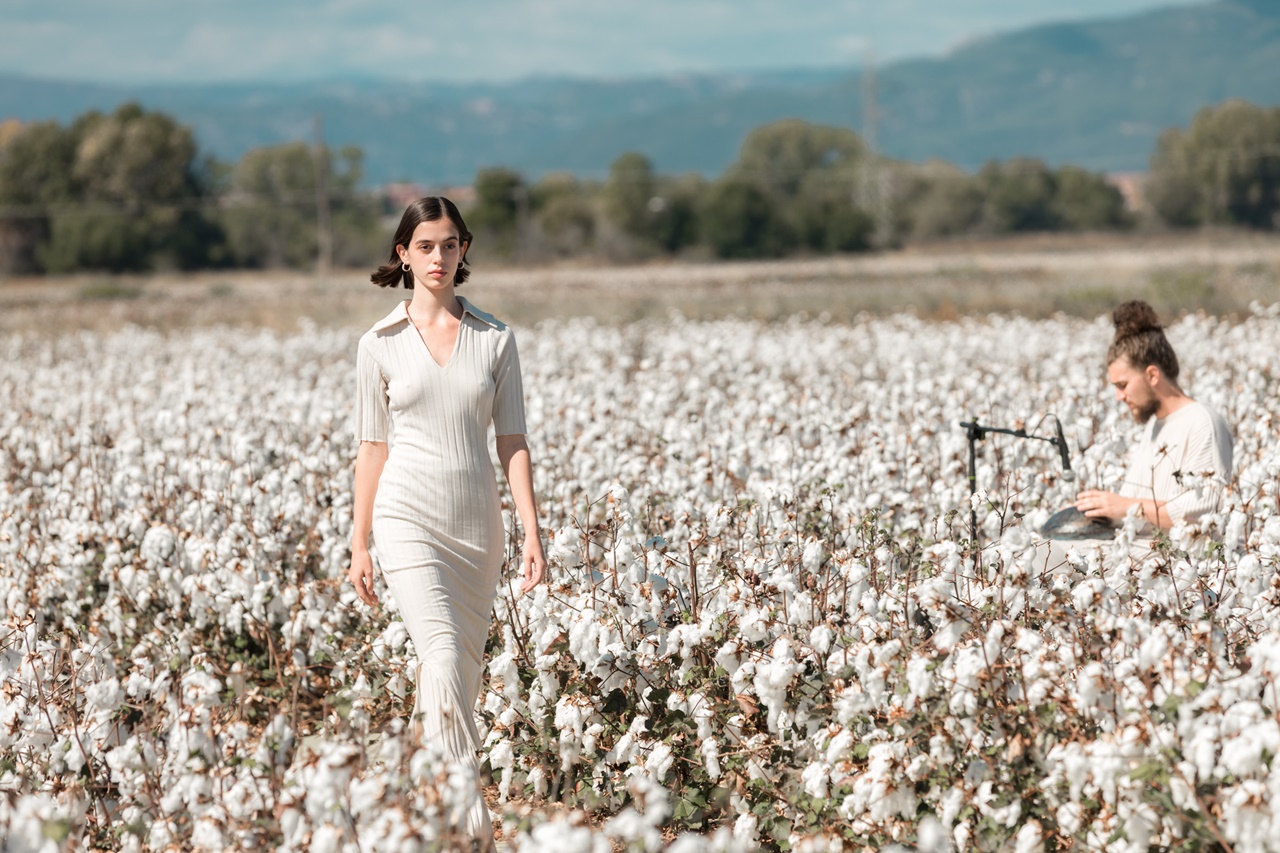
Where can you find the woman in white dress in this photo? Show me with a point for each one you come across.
(432, 376)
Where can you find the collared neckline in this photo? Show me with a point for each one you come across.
(400, 314)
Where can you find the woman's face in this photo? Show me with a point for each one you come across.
(433, 253)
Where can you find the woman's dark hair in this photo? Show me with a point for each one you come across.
(430, 208)
(1140, 339)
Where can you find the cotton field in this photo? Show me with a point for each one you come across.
(763, 626)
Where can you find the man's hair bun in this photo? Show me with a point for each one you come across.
(1140, 339)
(1135, 317)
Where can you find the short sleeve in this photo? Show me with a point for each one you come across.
(508, 398)
(372, 404)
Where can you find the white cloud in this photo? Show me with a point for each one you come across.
(159, 41)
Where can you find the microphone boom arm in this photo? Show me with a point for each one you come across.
(976, 432)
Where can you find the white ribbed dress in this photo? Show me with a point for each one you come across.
(437, 520)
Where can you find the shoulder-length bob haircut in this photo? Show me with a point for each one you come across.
(426, 209)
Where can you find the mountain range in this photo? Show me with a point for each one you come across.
(1095, 94)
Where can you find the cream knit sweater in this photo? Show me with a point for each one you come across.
(1184, 460)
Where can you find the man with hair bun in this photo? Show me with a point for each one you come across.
(1176, 472)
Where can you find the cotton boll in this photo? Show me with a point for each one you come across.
(932, 836)
(1030, 838)
(659, 762)
(1015, 540)
(1090, 688)
(949, 633)
(1247, 821)
(207, 834)
(710, 750)
(104, 695)
(557, 836)
(772, 680)
(815, 779)
(745, 829)
(158, 545)
(326, 839)
(919, 678)
(538, 781)
(821, 637)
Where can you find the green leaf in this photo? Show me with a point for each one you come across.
(56, 830)
(615, 702)
(1151, 771)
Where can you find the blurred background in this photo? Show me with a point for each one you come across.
(148, 138)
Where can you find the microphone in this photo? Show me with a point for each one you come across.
(1061, 441)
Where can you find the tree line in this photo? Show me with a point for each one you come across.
(797, 188)
(131, 191)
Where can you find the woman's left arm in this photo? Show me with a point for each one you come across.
(513, 453)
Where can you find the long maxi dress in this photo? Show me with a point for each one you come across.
(437, 520)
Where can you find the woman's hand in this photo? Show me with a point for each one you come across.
(361, 576)
(513, 453)
(370, 459)
(532, 562)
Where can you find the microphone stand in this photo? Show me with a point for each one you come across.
(976, 432)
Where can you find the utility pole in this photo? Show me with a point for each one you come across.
(869, 110)
(324, 220)
(874, 189)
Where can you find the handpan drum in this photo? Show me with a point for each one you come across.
(1071, 523)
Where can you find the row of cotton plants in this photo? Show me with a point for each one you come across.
(763, 625)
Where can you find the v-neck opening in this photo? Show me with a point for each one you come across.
(457, 338)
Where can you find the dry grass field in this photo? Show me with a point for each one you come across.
(1035, 276)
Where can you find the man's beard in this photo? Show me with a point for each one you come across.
(1146, 411)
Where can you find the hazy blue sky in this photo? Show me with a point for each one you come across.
(152, 41)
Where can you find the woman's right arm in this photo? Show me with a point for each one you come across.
(370, 458)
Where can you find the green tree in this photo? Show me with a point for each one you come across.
(933, 200)
(36, 165)
(674, 224)
(1223, 170)
(1018, 195)
(741, 220)
(656, 212)
(1172, 191)
(1086, 201)
(628, 193)
(780, 156)
(114, 192)
(271, 216)
(563, 214)
(139, 190)
(501, 199)
(824, 217)
(792, 188)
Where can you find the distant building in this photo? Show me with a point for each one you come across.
(396, 196)
(9, 128)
